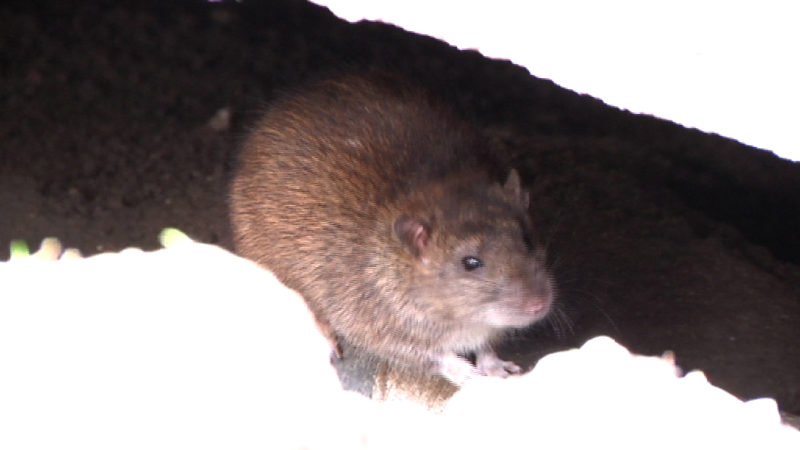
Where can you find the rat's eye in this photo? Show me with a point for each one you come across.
(471, 263)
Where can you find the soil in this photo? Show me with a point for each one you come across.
(113, 126)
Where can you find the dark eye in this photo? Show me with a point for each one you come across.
(471, 263)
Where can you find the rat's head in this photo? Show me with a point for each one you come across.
(473, 260)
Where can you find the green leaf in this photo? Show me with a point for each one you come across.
(172, 236)
(19, 249)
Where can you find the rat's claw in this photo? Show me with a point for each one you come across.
(511, 367)
(489, 364)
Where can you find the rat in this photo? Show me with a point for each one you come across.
(380, 207)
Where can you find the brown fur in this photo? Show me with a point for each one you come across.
(365, 197)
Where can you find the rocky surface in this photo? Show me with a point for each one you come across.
(188, 358)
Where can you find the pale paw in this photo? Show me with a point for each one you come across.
(489, 364)
(457, 369)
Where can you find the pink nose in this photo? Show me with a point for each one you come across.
(538, 306)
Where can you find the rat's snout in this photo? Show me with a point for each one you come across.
(538, 305)
(539, 295)
(524, 303)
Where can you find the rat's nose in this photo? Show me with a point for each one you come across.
(541, 296)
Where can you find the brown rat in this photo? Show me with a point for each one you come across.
(378, 206)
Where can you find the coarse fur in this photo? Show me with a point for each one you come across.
(368, 199)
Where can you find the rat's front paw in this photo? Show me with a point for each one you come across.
(488, 363)
(457, 369)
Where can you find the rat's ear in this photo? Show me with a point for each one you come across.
(414, 234)
(514, 191)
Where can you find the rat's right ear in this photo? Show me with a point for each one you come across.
(414, 234)
(514, 191)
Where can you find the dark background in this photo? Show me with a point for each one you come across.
(661, 236)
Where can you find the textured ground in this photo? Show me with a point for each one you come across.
(663, 237)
